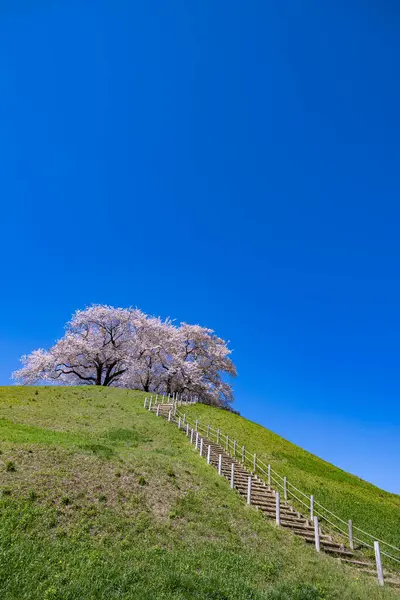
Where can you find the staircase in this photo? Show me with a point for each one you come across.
(268, 501)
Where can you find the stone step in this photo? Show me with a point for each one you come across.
(286, 521)
(356, 563)
(285, 516)
(336, 549)
(244, 479)
(309, 533)
(296, 524)
(264, 506)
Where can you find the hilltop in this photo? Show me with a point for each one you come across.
(102, 500)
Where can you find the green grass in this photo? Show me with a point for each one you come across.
(105, 501)
(370, 508)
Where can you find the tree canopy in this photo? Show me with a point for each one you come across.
(125, 347)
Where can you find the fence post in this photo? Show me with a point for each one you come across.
(187, 429)
(232, 475)
(269, 477)
(249, 490)
(201, 447)
(197, 440)
(158, 410)
(197, 425)
(169, 415)
(285, 488)
(145, 403)
(156, 397)
(227, 443)
(208, 431)
(179, 423)
(219, 464)
(316, 535)
(311, 508)
(191, 436)
(351, 542)
(209, 455)
(254, 463)
(168, 398)
(184, 418)
(243, 454)
(150, 403)
(278, 508)
(218, 435)
(234, 448)
(378, 560)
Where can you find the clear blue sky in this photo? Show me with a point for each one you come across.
(231, 163)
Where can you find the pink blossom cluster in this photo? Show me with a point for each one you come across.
(124, 347)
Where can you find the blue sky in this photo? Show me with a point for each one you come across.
(232, 164)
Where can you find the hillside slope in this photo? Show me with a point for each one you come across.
(102, 500)
(350, 497)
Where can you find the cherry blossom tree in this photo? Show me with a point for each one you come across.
(199, 364)
(96, 349)
(122, 347)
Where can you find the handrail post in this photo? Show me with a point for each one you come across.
(234, 448)
(255, 463)
(243, 454)
(197, 440)
(311, 508)
(187, 429)
(209, 455)
(184, 418)
(145, 403)
(232, 475)
(191, 436)
(218, 435)
(378, 560)
(151, 399)
(208, 431)
(285, 488)
(179, 423)
(219, 464)
(227, 443)
(201, 447)
(158, 410)
(278, 508)
(169, 415)
(197, 425)
(351, 541)
(269, 477)
(249, 490)
(316, 535)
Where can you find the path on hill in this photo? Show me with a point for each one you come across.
(264, 498)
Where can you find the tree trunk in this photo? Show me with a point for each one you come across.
(99, 372)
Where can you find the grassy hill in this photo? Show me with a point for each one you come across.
(102, 500)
